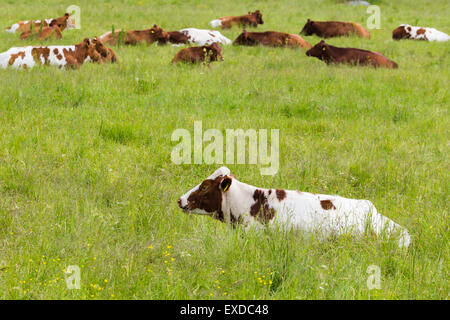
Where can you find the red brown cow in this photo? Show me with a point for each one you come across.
(63, 22)
(108, 55)
(133, 37)
(330, 54)
(251, 19)
(328, 29)
(209, 53)
(177, 37)
(271, 38)
(45, 33)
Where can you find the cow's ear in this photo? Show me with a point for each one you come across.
(226, 183)
(87, 41)
(66, 14)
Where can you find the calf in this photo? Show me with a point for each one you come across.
(330, 54)
(251, 19)
(133, 37)
(209, 53)
(271, 38)
(405, 31)
(223, 197)
(61, 56)
(45, 33)
(203, 37)
(63, 22)
(328, 29)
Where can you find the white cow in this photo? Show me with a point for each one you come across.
(223, 197)
(406, 31)
(202, 37)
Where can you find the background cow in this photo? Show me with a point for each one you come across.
(328, 29)
(63, 22)
(209, 53)
(223, 197)
(271, 38)
(133, 37)
(204, 37)
(405, 31)
(330, 54)
(251, 19)
(44, 33)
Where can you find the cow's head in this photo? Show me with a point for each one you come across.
(207, 197)
(401, 32)
(106, 53)
(258, 15)
(214, 51)
(244, 39)
(158, 34)
(91, 51)
(308, 28)
(320, 50)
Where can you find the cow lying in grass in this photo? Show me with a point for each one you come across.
(272, 39)
(251, 19)
(63, 22)
(405, 31)
(133, 37)
(202, 37)
(52, 30)
(107, 54)
(223, 197)
(330, 54)
(328, 29)
(206, 54)
(72, 56)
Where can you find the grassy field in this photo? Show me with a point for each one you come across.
(86, 177)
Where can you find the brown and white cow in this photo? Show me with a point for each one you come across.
(52, 30)
(223, 197)
(271, 38)
(63, 22)
(72, 56)
(251, 19)
(330, 54)
(328, 29)
(406, 31)
(133, 37)
(207, 54)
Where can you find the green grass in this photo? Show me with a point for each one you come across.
(86, 177)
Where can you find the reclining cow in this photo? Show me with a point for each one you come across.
(53, 30)
(72, 56)
(63, 22)
(203, 37)
(330, 54)
(405, 31)
(223, 197)
(133, 37)
(252, 19)
(272, 39)
(328, 29)
(206, 54)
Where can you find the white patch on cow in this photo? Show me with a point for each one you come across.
(215, 23)
(431, 34)
(325, 215)
(13, 28)
(204, 37)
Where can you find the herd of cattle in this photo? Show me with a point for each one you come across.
(206, 42)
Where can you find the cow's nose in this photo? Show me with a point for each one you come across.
(179, 202)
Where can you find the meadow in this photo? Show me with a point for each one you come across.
(86, 176)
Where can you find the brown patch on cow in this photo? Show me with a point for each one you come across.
(55, 51)
(281, 194)
(270, 192)
(421, 31)
(261, 209)
(59, 57)
(41, 52)
(409, 29)
(15, 56)
(327, 205)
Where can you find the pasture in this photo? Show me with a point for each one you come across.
(86, 176)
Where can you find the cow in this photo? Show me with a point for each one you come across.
(252, 19)
(203, 37)
(177, 37)
(406, 31)
(222, 197)
(133, 37)
(329, 29)
(271, 38)
(72, 56)
(330, 54)
(63, 22)
(107, 54)
(206, 54)
(45, 33)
